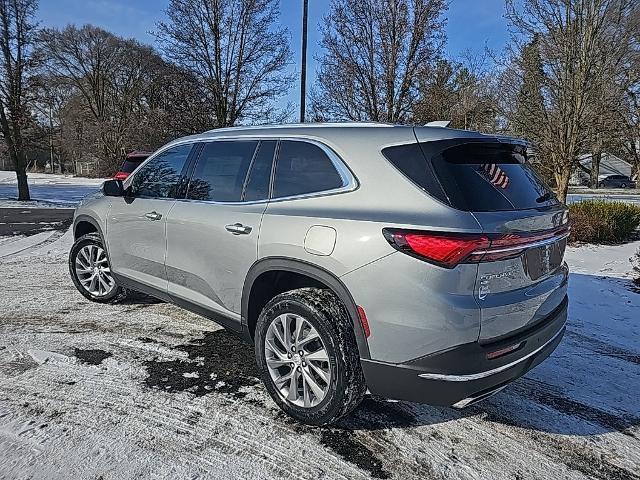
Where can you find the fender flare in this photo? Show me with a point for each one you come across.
(317, 273)
(88, 219)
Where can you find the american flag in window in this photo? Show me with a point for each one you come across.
(495, 175)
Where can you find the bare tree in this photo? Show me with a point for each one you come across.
(236, 52)
(376, 52)
(17, 30)
(119, 85)
(630, 105)
(460, 91)
(581, 44)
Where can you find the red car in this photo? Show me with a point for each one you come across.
(131, 162)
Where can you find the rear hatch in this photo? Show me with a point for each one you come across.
(521, 279)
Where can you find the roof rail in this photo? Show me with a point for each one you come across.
(301, 125)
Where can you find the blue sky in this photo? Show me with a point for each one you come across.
(472, 24)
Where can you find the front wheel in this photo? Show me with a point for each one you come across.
(90, 270)
(306, 351)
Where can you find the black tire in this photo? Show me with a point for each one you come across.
(623, 185)
(326, 313)
(116, 294)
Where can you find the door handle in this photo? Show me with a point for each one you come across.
(238, 229)
(153, 215)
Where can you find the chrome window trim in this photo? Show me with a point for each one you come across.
(349, 181)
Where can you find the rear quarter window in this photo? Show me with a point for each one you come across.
(303, 168)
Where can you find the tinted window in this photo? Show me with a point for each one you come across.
(490, 176)
(160, 177)
(257, 187)
(221, 170)
(413, 164)
(303, 168)
(129, 166)
(477, 176)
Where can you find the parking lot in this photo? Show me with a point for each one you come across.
(145, 389)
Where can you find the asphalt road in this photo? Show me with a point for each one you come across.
(29, 221)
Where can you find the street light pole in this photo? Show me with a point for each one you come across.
(303, 75)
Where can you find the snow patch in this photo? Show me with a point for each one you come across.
(11, 248)
(43, 356)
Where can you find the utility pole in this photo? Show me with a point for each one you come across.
(303, 75)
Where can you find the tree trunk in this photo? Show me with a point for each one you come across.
(595, 169)
(23, 186)
(562, 183)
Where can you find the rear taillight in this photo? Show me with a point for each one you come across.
(446, 250)
(449, 249)
(120, 176)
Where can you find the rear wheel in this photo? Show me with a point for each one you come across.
(90, 270)
(307, 354)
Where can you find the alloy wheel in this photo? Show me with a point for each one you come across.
(93, 271)
(297, 360)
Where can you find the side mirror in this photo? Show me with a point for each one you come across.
(113, 188)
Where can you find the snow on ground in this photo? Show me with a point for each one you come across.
(145, 389)
(9, 177)
(47, 190)
(12, 203)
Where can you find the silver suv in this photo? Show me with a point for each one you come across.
(419, 263)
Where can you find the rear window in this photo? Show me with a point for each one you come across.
(129, 166)
(475, 176)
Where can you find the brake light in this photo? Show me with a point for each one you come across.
(120, 176)
(446, 250)
(449, 249)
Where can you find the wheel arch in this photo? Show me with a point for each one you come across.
(84, 224)
(311, 271)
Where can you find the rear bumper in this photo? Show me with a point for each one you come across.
(463, 375)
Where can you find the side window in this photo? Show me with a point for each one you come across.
(221, 170)
(160, 177)
(257, 187)
(303, 167)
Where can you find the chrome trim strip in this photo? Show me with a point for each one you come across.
(488, 373)
(349, 181)
(525, 246)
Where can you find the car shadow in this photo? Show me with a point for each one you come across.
(587, 387)
(138, 298)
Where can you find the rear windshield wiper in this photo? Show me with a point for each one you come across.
(544, 198)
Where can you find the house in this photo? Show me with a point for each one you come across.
(609, 165)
